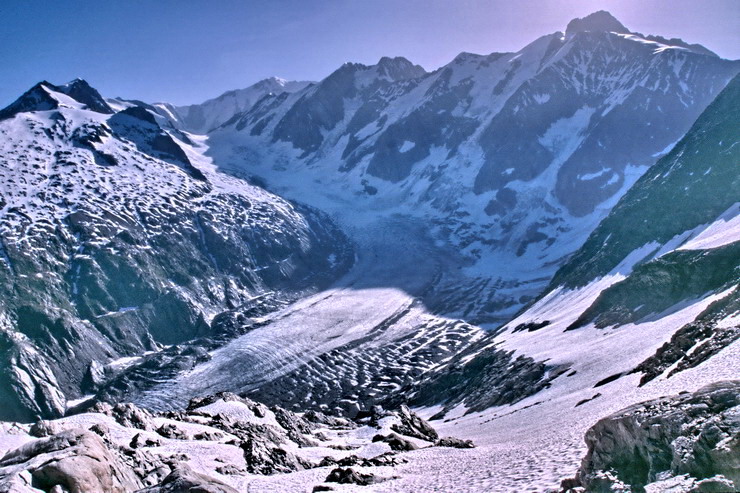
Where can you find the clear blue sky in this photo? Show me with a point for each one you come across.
(186, 51)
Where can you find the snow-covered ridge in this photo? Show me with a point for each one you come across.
(208, 115)
(118, 237)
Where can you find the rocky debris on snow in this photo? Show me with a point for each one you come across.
(169, 430)
(296, 427)
(342, 446)
(319, 418)
(43, 428)
(126, 448)
(695, 342)
(210, 436)
(264, 457)
(230, 470)
(454, 443)
(386, 459)
(692, 439)
(184, 480)
(257, 408)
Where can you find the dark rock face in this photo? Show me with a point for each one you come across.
(699, 180)
(81, 91)
(322, 107)
(525, 138)
(658, 285)
(598, 21)
(490, 378)
(590, 103)
(76, 460)
(139, 126)
(693, 434)
(37, 98)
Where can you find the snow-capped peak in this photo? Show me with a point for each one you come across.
(210, 114)
(45, 96)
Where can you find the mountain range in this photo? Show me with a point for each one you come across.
(516, 244)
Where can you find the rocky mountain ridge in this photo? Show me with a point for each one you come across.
(513, 158)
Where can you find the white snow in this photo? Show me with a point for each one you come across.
(723, 231)
(407, 146)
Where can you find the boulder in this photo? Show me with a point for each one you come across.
(454, 443)
(184, 480)
(74, 460)
(414, 426)
(693, 435)
(348, 475)
(396, 442)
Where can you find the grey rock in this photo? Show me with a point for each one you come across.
(696, 434)
(139, 441)
(414, 426)
(454, 443)
(396, 442)
(128, 415)
(169, 430)
(76, 460)
(184, 480)
(44, 428)
(348, 475)
(265, 457)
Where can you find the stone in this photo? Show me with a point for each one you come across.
(396, 442)
(414, 426)
(350, 476)
(76, 460)
(184, 480)
(696, 435)
(454, 443)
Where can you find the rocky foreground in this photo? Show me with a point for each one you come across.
(684, 443)
(226, 443)
(218, 444)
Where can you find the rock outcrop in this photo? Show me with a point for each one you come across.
(690, 441)
(76, 460)
(184, 480)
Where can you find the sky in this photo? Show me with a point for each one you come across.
(186, 51)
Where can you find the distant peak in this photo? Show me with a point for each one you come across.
(399, 68)
(397, 60)
(598, 21)
(84, 93)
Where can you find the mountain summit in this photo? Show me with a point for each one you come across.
(598, 21)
